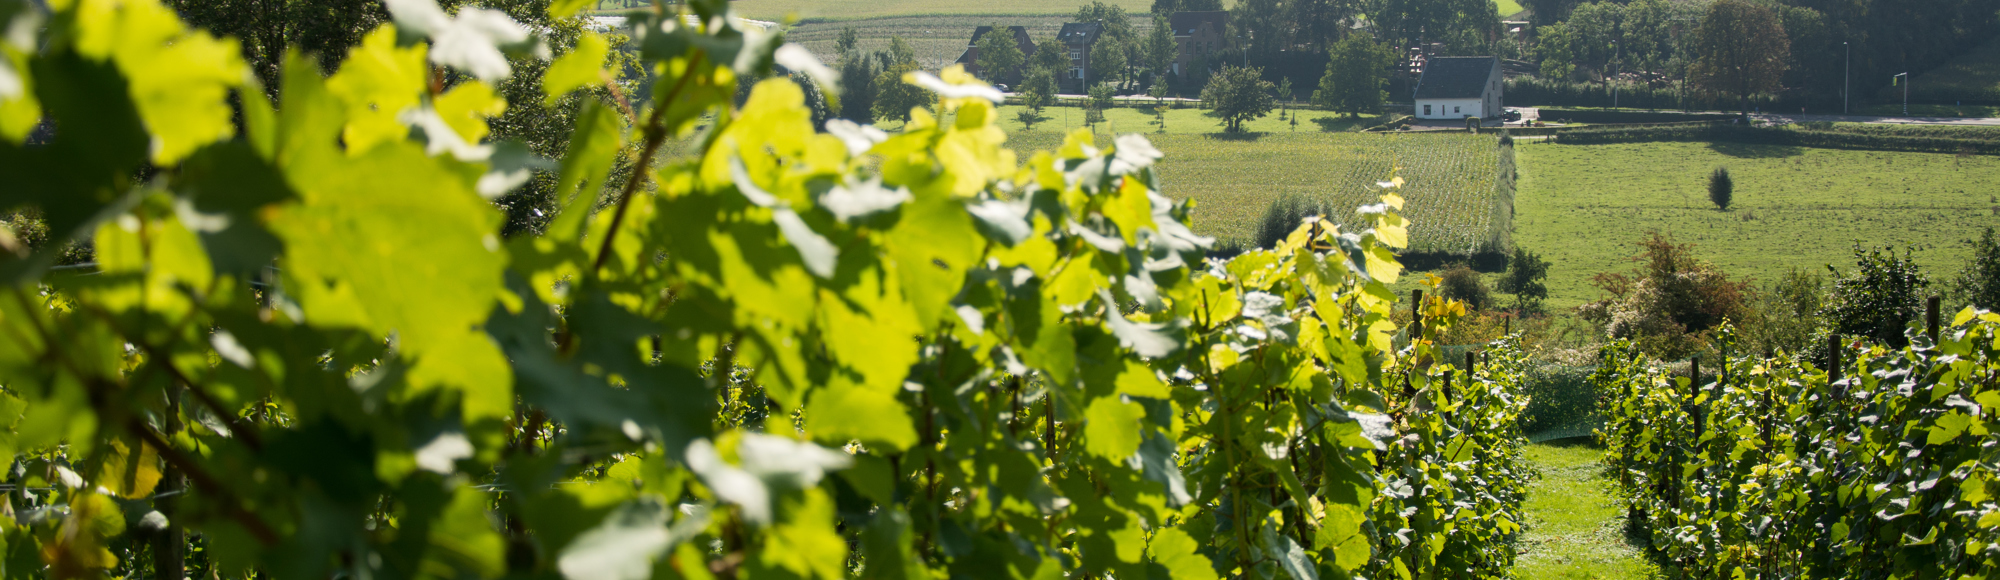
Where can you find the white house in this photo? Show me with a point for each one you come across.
(1456, 87)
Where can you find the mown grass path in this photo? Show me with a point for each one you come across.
(1575, 525)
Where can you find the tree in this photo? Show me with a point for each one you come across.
(999, 55)
(1525, 274)
(1546, 12)
(1201, 5)
(893, 97)
(1116, 24)
(1284, 97)
(1160, 49)
(1159, 94)
(850, 40)
(1721, 188)
(1259, 28)
(1166, 7)
(1238, 94)
(1461, 283)
(1107, 61)
(1883, 294)
(1356, 72)
(1051, 56)
(1037, 89)
(1740, 49)
(1553, 46)
(1463, 26)
(1317, 24)
(1100, 101)
(1978, 284)
(858, 74)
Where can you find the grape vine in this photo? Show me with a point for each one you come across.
(1881, 466)
(785, 353)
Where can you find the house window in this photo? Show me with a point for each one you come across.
(1427, 109)
(1454, 109)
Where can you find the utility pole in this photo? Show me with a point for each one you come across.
(1846, 69)
(1615, 54)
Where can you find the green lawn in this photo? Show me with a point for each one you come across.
(1575, 524)
(1506, 7)
(1449, 189)
(1582, 206)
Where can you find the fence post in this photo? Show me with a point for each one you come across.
(1469, 360)
(1931, 317)
(1417, 316)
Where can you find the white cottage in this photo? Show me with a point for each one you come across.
(1457, 87)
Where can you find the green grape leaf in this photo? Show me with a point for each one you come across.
(583, 66)
(622, 547)
(1949, 427)
(1139, 380)
(377, 82)
(466, 107)
(1156, 462)
(560, 9)
(370, 230)
(179, 78)
(875, 418)
(131, 469)
(1287, 553)
(932, 245)
(228, 186)
(1148, 339)
(1341, 531)
(1180, 555)
(463, 537)
(20, 111)
(1112, 428)
(805, 542)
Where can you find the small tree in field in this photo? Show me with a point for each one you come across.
(1237, 95)
(1463, 284)
(1721, 189)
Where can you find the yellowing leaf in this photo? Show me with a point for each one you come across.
(560, 9)
(130, 474)
(838, 415)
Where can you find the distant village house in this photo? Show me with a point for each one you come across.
(971, 56)
(1077, 38)
(1457, 87)
(1197, 35)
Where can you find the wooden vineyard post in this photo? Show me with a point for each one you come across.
(1417, 316)
(1833, 367)
(1931, 315)
(1470, 357)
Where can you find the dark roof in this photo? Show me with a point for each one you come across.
(1021, 40)
(1080, 32)
(1456, 77)
(1184, 23)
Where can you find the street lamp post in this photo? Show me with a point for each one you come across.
(1845, 67)
(1906, 91)
(1615, 55)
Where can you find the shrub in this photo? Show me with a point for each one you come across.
(1786, 313)
(1882, 295)
(1670, 302)
(1525, 274)
(1283, 216)
(1721, 188)
(1463, 284)
(1978, 284)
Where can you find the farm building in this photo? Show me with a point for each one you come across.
(970, 58)
(1457, 87)
(1196, 35)
(1077, 38)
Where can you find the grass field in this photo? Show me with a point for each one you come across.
(1506, 7)
(1973, 76)
(1450, 196)
(1922, 110)
(1575, 526)
(864, 9)
(1582, 207)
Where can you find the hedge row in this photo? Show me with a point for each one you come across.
(1777, 136)
(1587, 116)
(1527, 91)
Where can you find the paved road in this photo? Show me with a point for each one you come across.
(1959, 121)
